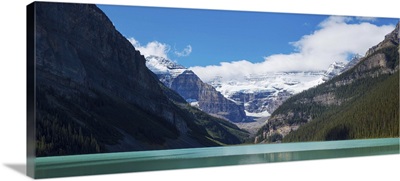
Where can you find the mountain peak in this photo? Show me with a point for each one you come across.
(394, 35)
(391, 39)
(163, 61)
(161, 65)
(334, 69)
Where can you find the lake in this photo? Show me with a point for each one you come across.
(61, 166)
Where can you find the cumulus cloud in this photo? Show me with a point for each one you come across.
(159, 49)
(152, 48)
(185, 52)
(334, 40)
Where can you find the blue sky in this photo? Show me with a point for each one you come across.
(208, 37)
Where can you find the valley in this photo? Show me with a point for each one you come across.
(98, 91)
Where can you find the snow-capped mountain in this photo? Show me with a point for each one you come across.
(337, 68)
(262, 94)
(187, 84)
(353, 62)
(259, 94)
(334, 69)
(162, 65)
(165, 69)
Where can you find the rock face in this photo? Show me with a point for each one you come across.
(89, 57)
(307, 114)
(195, 91)
(261, 103)
(187, 84)
(391, 39)
(95, 93)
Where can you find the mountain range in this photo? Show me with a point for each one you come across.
(245, 99)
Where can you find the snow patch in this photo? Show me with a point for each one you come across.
(258, 115)
(193, 102)
(159, 65)
(273, 82)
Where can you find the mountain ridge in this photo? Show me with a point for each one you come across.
(311, 115)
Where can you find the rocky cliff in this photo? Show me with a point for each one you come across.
(95, 93)
(391, 39)
(77, 45)
(190, 87)
(202, 95)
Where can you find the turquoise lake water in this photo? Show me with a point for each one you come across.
(61, 166)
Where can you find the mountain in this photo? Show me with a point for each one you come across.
(353, 62)
(262, 94)
(166, 70)
(187, 84)
(362, 102)
(336, 68)
(95, 94)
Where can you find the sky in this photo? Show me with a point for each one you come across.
(240, 43)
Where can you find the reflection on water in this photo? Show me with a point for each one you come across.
(205, 157)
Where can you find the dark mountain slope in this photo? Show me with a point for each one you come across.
(360, 103)
(94, 92)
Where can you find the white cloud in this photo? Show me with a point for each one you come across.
(362, 18)
(152, 48)
(185, 52)
(159, 49)
(334, 20)
(335, 39)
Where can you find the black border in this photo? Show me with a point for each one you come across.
(30, 89)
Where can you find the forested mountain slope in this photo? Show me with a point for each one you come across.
(362, 102)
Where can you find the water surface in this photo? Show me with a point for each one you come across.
(61, 166)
